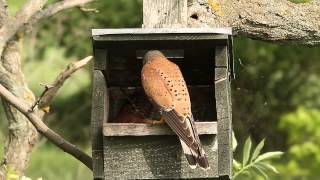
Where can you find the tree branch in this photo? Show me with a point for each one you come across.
(3, 11)
(50, 91)
(53, 9)
(11, 27)
(278, 21)
(44, 129)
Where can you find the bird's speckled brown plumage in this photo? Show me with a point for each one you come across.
(164, 84)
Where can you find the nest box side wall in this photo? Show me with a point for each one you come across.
(99, 112)
(223, 107)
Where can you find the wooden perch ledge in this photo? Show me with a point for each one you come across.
(139, 129)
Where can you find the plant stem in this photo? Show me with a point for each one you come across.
(242, 170)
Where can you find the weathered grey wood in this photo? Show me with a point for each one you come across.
(221, 54)
(136, 31)
(99, 114)
(223, 106)
(154, 157)
(135, 129)
(100, 57)
(160, 37)
(177, 53)
(164, 13)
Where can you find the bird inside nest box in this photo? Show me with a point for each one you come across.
(131, 87)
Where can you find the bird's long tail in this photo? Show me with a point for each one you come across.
(195, 158)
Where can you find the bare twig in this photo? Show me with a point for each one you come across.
(46, 88)
(85, 9)
(51, 90)
(45, 130)
(53, 9)
(11, 27)
(30, 14)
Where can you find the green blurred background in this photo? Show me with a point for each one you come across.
(275, 95)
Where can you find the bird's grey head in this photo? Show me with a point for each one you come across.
(151, 55)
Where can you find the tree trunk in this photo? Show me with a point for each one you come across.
(21, 135)
(279, 21)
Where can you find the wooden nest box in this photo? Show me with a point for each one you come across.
(135, 150)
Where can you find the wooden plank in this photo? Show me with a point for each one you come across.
(164, 13)
(100, 56)
(155, 157)
(204, 30)
(98, 116)
(176, 53)
(221, 54)
(161, 37)
(223, 106)
(135, 129)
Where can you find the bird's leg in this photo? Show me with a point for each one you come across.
(153, 121)
(159, 122)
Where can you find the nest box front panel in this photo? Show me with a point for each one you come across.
(145, 152)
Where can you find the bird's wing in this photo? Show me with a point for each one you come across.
(155, 88)
(165, 85)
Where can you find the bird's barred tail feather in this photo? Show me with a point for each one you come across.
(202, 161)
(192, 160)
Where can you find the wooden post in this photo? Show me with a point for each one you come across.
(99, 112)
(223, 106)
(164, 13)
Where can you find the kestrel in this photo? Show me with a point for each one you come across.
(164, 84)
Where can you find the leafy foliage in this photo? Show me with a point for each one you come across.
(255, 163)
(272, 80)
(303, 131)
(50, 163)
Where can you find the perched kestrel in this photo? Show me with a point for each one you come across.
(163, 83)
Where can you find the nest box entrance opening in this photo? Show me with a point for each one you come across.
(204, 57)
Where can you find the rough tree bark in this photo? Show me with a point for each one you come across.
(21, 135)
(279, 21)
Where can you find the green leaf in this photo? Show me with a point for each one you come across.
(260, 171)
(268, 167)
(236, 164)
(246, 151)
(268, 156)
(234, 142)
(257, 150)
(246, 173)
